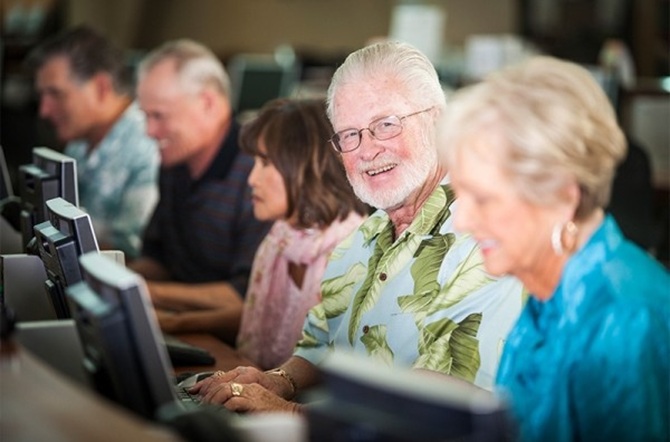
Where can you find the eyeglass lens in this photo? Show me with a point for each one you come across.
(382, 129)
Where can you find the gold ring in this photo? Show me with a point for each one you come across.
(218, 374)
(236, 389)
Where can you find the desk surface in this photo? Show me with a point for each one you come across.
(226, 356)
(38, 404)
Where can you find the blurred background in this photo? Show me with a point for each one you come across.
(291, 47)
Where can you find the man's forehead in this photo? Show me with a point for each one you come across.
(354, 113)
(56, 73)
(55, 65)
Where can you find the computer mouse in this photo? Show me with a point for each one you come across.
(194, 378)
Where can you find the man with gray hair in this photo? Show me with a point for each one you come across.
(201, 240)
(406, 289)
(85, 91)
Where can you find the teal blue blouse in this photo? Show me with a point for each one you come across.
(591, 363)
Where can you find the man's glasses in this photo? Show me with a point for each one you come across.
(381, 129)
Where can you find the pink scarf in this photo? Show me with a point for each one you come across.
(275, 308)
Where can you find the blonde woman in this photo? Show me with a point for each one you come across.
(532, 151)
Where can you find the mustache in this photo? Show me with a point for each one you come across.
(376, 164)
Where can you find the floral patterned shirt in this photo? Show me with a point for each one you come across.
(422, 300)
(118, 181)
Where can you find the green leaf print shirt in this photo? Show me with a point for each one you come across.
(421, 301)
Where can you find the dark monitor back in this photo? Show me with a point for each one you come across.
(50, 175)
(5, 179)
(257, 79)
(11, 241)
(116, 323)
(61, 240)
(608, 81)
(366, 400)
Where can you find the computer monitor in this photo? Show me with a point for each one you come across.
(119, 331)
(257, 79)
(5, 179)
(61, 240)
(50, 175)
(608, 81)
(366, 400)
(11, 241)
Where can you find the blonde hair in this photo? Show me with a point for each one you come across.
(548, 123)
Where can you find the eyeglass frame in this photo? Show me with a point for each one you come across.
(333, 143)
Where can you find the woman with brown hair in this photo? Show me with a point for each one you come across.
(299, 182)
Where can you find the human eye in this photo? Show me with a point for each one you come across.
(347, 135)
(347, 139)
(53, 93)
(482, 199)
(155, 117)
(387, 124)
(262, 160)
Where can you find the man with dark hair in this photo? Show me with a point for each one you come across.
(84, 90)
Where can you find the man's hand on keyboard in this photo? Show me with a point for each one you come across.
(243, 389)
(246, 398)
(241, 375)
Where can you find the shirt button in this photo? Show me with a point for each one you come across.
(382, 276)
(366, 329)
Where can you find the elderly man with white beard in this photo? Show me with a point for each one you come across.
(405, 289)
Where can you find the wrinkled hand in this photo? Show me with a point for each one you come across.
(242, 389)
(245, 397)
(241, 375)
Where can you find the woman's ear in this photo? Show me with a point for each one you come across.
(571, 196)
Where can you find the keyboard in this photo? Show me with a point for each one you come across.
(183, 354)
(185, 381)
(184, 396)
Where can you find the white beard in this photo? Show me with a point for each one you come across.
(417, 173)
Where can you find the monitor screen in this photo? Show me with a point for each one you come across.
(61, 240)
(120, 336)
(50, 175)
(366, 400)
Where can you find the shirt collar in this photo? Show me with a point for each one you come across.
(432, 214)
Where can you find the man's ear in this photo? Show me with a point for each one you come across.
(213, 105)
(207, 99)
(102, 84)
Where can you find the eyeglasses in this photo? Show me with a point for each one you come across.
(381, 129)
